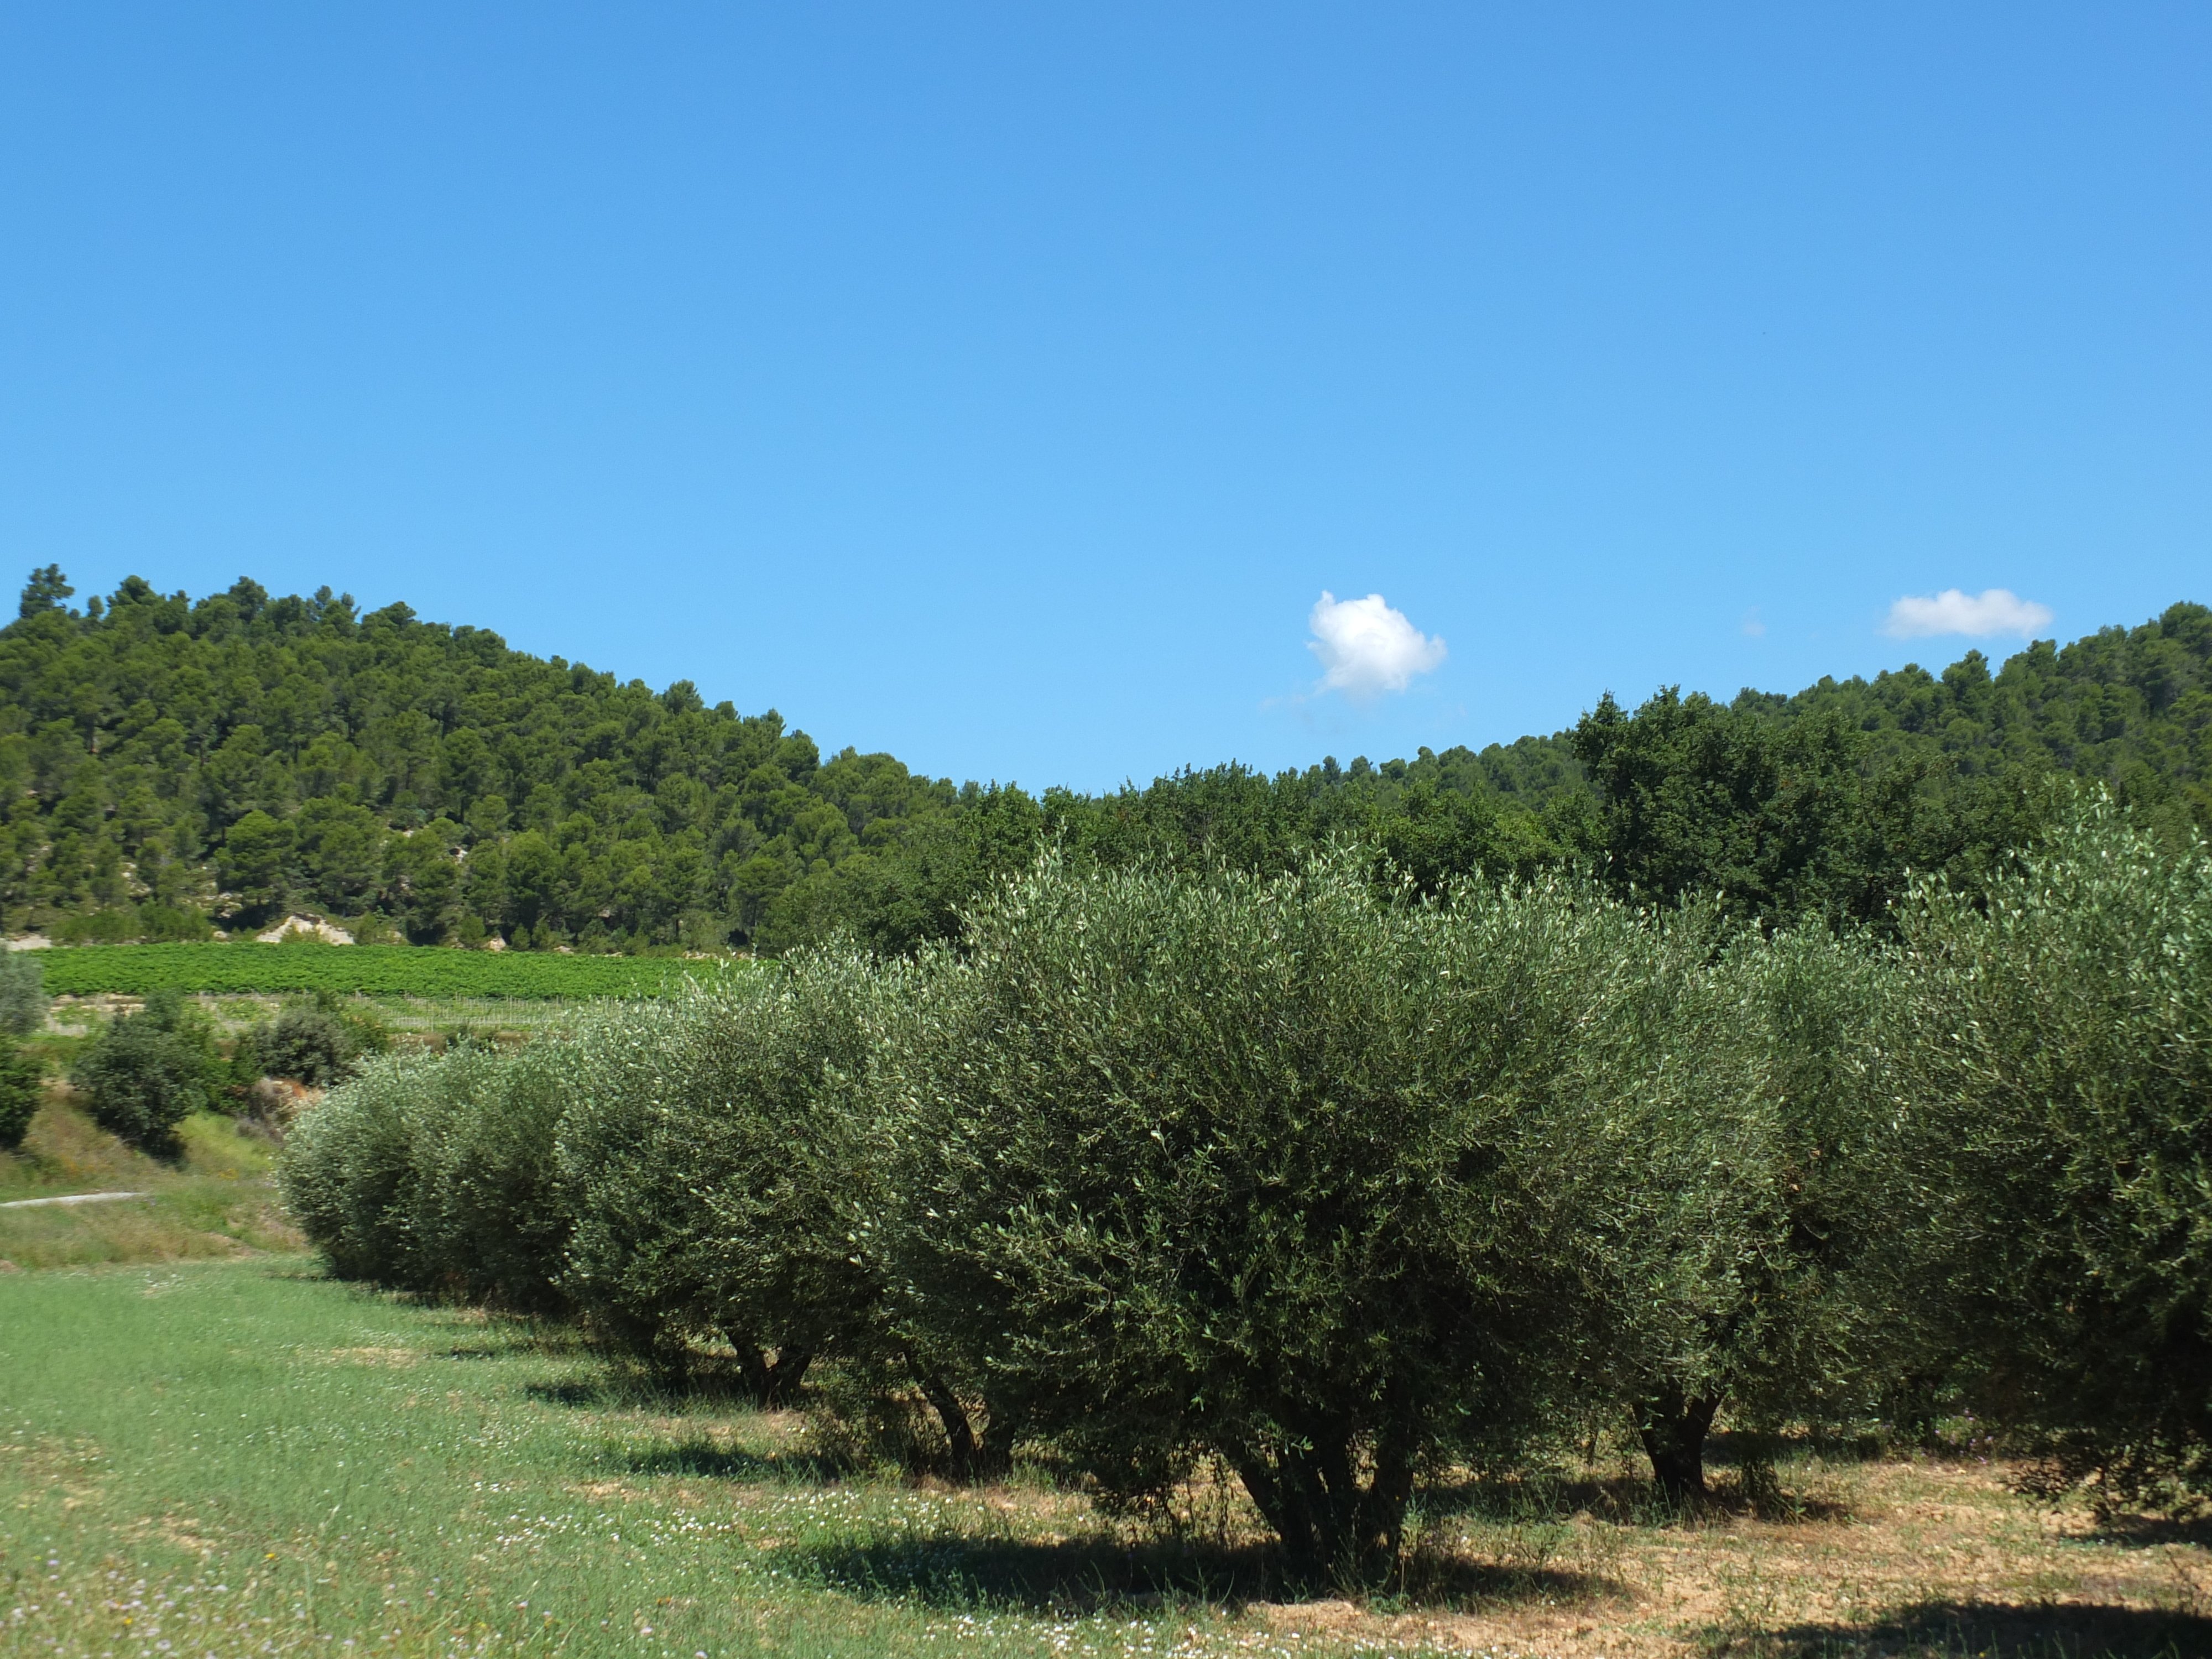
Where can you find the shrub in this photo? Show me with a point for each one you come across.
(148, 1072)
(2055, 1053)
(1213, 1164)
(316, 1043)
(154, 923)
(21, 1089)
(22, 994)
(110, 927)
(169, 924)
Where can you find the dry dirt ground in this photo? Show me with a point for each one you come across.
(1852, 1556)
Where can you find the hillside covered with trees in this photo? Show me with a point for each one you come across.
(168, 765)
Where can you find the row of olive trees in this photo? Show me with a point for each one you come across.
(1157, 1168)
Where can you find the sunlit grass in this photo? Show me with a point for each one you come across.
(372, 969)
(241, 1458)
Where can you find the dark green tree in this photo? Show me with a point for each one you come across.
(22, 1090)
(45, 592)
(148, 1072)
(1696, 796)
(256, 861)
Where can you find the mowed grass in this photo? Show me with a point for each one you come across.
(217, 1198)
(244, 1458)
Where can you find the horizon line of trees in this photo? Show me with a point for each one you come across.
(1337, 1184)
(166, 763)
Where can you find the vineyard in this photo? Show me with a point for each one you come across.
(359, 969)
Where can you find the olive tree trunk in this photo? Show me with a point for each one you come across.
(1673, 1430)
(1335, 1528)
(773, 1383)
(959, 1433)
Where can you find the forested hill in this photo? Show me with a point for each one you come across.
(168, 764)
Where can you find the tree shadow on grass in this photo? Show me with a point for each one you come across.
(1954, 1630)
(1100, 1573)
(615, 1388)
(2154, 1531)
(1622, 1500)
(704, 1460)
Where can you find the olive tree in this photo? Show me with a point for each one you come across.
(353, 1169)
(2055, 1103)
(1215, 1164)
(1659, 1150)
(491, 1211)
(436, 1172)
(22, 992)
(717, 1161)
(1718, 1153)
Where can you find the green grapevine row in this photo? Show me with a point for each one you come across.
(366, 969)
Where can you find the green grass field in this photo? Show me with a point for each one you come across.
(242, 1458)
(359, 970)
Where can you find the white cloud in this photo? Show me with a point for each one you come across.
(1994, 610)
(1366, 648)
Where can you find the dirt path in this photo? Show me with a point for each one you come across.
(73, 1198)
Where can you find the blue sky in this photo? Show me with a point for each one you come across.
(1003, 387)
